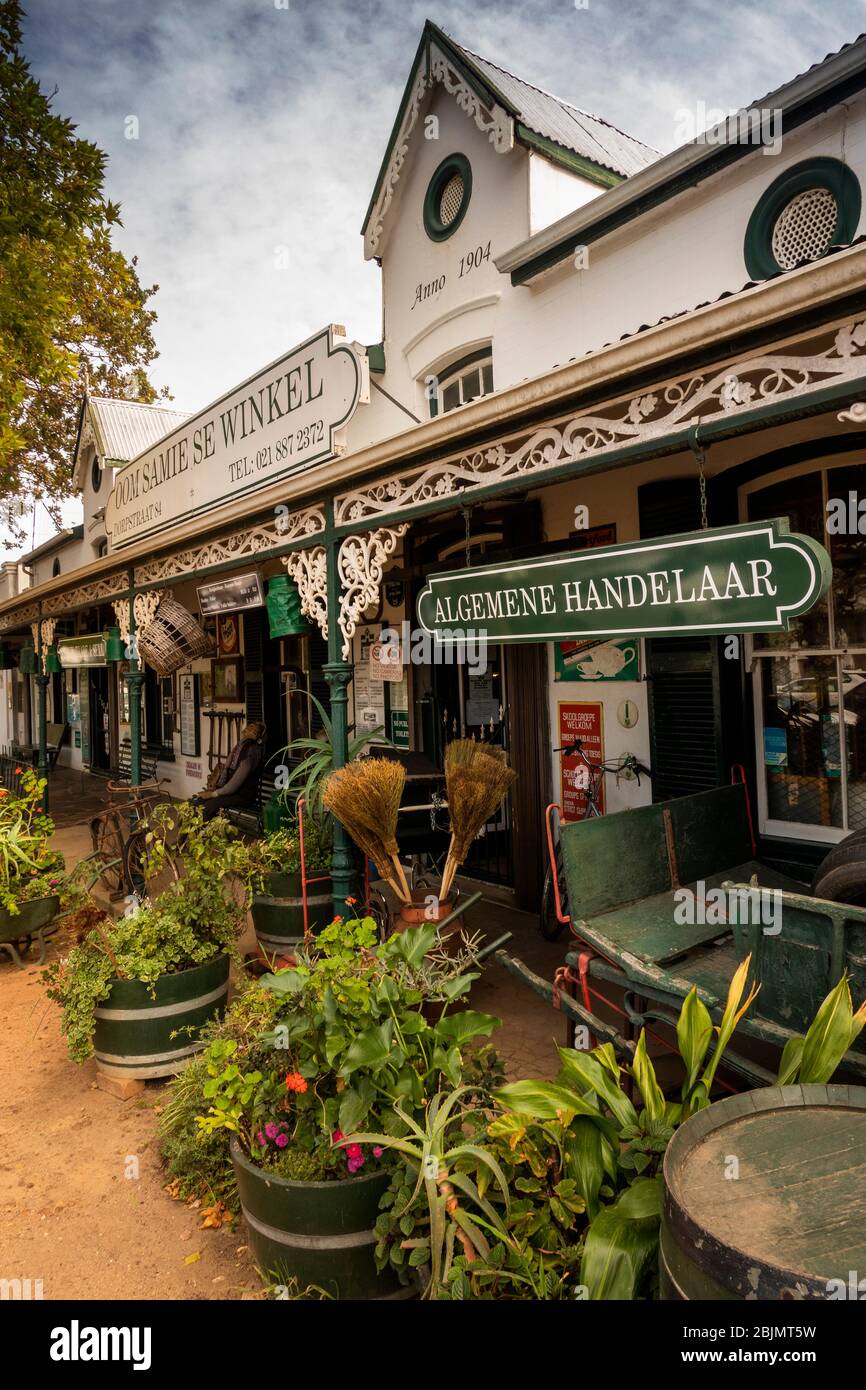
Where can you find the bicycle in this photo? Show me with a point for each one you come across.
(111, 829)
(554, 916)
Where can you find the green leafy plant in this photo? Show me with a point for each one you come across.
(360, 1028)
(197, 918)
(308, 779)
(280, 851)
(29, 868)
(813, 1059)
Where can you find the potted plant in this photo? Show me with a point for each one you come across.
(31, 873)
(137, 991)
(278, 892)
(351, 1038)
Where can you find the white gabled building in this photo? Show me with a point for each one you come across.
(584, 343)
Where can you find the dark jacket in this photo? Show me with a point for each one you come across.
(239, 777)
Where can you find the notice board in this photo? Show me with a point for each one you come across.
(579, 720)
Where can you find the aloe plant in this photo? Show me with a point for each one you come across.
(308, 779)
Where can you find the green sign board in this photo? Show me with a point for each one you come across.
(399, 721)
(751, 578)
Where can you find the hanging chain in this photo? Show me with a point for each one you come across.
(701, 458)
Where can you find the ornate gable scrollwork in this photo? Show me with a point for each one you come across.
(676, 405)
(493, 121)
(309, 570)
(286, 526)
(360, 565)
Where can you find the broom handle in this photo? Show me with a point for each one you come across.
(448, 874)
(395, 859)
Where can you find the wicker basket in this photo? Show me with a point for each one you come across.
(172, 638)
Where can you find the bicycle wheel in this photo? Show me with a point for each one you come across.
(549, 924)
(134, 854)
(107, 840)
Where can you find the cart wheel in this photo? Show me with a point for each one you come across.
(24, 944)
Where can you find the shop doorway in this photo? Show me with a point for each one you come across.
(97, 680)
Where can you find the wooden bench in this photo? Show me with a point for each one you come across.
(55, 737)
(123, 775)
(250, 819)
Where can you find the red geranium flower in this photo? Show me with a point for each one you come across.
(295, 1082)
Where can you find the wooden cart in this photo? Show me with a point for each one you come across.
(635, 878)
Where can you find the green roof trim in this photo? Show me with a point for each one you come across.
(574, 163)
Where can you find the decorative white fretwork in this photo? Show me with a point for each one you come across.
(145, 606)
(309, 570)
(286, 526)
(493, 121)
(360, 565)
(47, 634)
(855, 413)
(98, 591)
(675, 405)
(121, 613)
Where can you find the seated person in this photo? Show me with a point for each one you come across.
(237, 783)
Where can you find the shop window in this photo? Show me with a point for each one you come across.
(463, 381)
(806, 210)
(810, 682)
(447, 198)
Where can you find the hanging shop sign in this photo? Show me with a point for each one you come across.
(82, 651)
(230, 595)
(281, 421)
(757, 577)
(188, 701)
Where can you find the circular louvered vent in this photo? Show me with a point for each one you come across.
(804, 229)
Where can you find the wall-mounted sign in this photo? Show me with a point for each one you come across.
(281, 421)
(583, 723)
(187, 696)
(756, 577)
(230, 595)
(82, 651)
(398, 720)
(596, 660)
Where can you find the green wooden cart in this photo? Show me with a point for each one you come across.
(642, 888)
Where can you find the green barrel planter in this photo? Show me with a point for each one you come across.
(30, 920)
(278, 915)
(134, 1028)
(315, 1233)
(763, 1197)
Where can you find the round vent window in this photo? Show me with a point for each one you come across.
(808, 209)
(447, 197)
(804, 229)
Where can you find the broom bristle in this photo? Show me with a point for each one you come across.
(340, 798)
(474, 795)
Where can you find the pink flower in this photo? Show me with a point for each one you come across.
(378, 1151)
(355, 1164)
(281, 1141)
(271, 1130)
(354, 1153)
(337, 1136)
(260, 1139)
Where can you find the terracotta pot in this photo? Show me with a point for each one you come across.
(422, 910)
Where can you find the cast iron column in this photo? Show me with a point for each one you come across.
(42, 710)
(135, 681)
(338, 674)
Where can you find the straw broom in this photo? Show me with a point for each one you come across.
(365, 797)
(476, 788)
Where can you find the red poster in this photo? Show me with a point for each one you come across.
(583, 722)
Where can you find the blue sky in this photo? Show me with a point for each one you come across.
(262, 127)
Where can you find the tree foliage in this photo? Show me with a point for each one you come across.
(70, 303)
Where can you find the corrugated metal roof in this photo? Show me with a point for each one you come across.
(126, 428)
(560, 121)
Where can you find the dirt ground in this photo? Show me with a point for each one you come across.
(71, 1214)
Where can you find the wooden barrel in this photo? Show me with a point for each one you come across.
(318, 1234)
(765, 1197)
(134, 1028)
(278, 915)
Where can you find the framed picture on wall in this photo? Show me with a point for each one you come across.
(228, 634)
(206, 688)
(228, 680)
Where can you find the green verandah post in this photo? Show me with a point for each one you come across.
(42, 711)
(338, 674)
(134, 680)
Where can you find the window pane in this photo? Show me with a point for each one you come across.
(801, 740)
(471, 385)
(800, 500)
(847, 548)
(487, 377)
(854, 697)
(451, 396)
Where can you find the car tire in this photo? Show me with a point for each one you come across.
(844, 883)
(847, 851)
